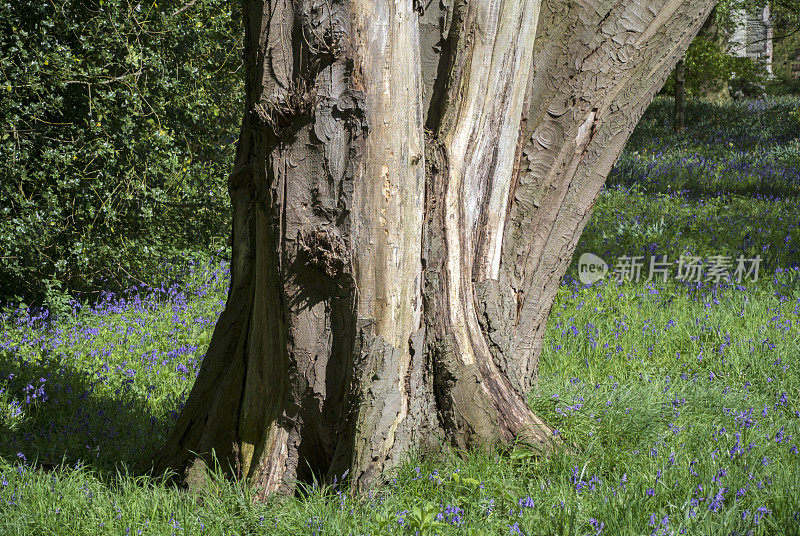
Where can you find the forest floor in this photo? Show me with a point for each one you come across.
(681, 392)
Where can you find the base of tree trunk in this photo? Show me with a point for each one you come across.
(410, 185)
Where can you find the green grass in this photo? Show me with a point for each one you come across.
(683, 399)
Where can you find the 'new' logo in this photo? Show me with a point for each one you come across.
(591, 268)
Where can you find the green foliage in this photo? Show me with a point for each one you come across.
(787, 51)
(796, 114)
(706, 62)
(710, 67)
(707, 67)
(118, 124)
(726, 12)
(422, 520)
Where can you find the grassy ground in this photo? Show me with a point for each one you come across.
(684, 396)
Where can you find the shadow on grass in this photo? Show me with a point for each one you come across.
(55, 413)
(696, 188)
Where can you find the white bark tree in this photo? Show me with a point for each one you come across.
(410, 185)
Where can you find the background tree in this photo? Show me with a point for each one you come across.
(409, 188)
(786, 16)
(679, 115)
(710, 64)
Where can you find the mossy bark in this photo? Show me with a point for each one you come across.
(409, 188)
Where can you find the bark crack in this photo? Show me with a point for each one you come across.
(344, 234)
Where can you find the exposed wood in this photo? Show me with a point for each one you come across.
(489, 64)
(390, 285)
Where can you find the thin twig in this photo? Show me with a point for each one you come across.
(184, 8)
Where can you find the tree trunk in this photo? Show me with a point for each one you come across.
(715, 90)
(679, 124)
(408, 191)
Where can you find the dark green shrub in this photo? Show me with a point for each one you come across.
(119, 121)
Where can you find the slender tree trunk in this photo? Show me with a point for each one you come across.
(680, 96)
(408, 191)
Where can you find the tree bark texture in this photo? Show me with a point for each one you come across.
(410, 184)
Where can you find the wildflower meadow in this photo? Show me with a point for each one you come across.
(679, 396)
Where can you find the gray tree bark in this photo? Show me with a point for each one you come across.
(410, 184)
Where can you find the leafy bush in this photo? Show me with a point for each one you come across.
(118, 126)
(707, 66)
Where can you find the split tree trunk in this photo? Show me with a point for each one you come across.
(408, 191)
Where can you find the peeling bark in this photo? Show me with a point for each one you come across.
(410, 184)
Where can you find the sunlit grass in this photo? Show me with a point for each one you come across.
(682, 400)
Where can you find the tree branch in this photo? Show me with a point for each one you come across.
(184, 8)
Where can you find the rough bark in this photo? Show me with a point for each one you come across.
(409, 188)
(596, 70)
